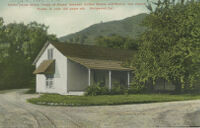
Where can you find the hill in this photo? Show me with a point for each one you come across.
(129, 27)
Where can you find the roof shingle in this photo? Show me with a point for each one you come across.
(93, 52)
(100, 64)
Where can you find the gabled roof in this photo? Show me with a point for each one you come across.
(100, 64)
(92, 52)
(89, 52)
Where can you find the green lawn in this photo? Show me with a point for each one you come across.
(54, 99)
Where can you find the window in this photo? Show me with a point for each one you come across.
(49, 80)
(50, 54)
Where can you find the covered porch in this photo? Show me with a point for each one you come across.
(106, 72)
(109, 78)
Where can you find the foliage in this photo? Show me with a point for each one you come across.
(96, 89)
(136, 89)
(170, 48)
(19, 45)
(116, 41)
(118, 89)
(53, 99)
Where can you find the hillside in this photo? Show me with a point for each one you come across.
(129, 27)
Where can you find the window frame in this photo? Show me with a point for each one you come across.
(50, 54)
(49, 81)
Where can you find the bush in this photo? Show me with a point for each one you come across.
(104, 91)
(119, 89)
(135, 89)
(96, 89)
(92, 90)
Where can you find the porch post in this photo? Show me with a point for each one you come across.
(89, 76)
(110, 80)
(128, 79)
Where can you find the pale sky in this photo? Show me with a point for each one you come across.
(66, 22)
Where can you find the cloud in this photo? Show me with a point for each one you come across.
(66, 22)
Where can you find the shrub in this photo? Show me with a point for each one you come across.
(96, 89)
(135, 89)
(117, 90)
(99, 89)
(104, 91)
(93, 90)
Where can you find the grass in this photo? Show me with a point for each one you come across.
(54, 99)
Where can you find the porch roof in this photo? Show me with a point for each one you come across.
(100, 64)
(46, 67)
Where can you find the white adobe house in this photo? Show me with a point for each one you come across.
(68, 69)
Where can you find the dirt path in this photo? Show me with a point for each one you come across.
(15, 112)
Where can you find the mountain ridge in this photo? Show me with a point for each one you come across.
(128, 27)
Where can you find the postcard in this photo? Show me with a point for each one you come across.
(99, 63)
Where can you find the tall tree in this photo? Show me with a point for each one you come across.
(21, 44)
(169, 49)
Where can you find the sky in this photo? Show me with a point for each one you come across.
(64, 22)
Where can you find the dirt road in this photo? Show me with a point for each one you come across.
(15, 112)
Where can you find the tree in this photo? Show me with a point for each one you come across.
(170, 47)
(21, 44)
(116, 41)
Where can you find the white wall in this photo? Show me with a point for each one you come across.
(77, 77)
(60, 76)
